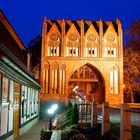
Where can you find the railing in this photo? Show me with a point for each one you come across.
(61, 118)
(124, 126)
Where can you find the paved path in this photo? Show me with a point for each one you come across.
(56, 135)
(33, 133)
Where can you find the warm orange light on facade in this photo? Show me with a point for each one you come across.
(84, 53)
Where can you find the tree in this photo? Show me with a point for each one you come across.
(34, 46)
(134, 36)
(131, 73)
(131, 62)
(75, 115)
(70, 106)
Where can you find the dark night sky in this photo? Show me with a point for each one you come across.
(26, 16)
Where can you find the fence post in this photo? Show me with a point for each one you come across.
(105, 118)
(94, 114)
(125, 123)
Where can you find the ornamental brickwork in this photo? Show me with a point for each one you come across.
(84, 53)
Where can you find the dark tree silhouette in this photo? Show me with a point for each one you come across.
(70, 106)
(34, 47)
(131, 62)
(75, 115)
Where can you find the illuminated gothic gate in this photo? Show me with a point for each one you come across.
(89, 81)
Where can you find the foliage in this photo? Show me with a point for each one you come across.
(78, 137)
(45, 135)
(70, 106)
(134, 29)
(74, 115)
(67, 134)
(115, 129)
(34, 46)
(42, 131)
(131, 72)
(74, 127)
(131, 62)
(76, 132)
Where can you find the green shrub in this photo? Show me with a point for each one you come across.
(42, 132)
(74, 126)
(78, 137)
(75, 115)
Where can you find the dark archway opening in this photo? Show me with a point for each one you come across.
(90, 82)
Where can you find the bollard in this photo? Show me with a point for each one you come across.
(94, 114)
(125, 123)
(105, 119)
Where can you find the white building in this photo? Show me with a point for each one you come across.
(19, 92)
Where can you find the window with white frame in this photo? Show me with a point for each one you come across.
(110, 48)
(11, 108)
(91, 45)
(6, 115)
(72, 43)
(4, 110)
(110, 51)
(53, 44)
(91, 50)
(114, 81)
(28, 103)
(23, 103)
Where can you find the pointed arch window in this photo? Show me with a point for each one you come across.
(53, 44)
(72, 43)
(114, 80)
(110, 46)
(91, 45)
(110, 51)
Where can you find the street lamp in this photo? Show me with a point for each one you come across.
(54, 107)
(51, 111)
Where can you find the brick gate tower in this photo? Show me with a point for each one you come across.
(84, 53)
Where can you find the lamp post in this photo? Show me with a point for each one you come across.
(51, 111)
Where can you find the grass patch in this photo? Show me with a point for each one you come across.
(115, 129)
(135, 133)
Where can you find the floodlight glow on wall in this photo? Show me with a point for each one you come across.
(52, 109)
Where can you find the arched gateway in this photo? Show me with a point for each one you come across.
(89, 81)
(84, 53)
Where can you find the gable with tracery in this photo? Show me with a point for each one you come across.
(91, 41)
(110, 42)
(72, 42)
(53, 41)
